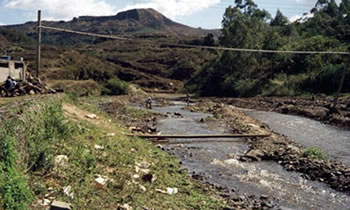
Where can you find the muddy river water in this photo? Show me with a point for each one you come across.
(217, 159)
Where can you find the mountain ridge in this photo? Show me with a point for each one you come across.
(128, 23)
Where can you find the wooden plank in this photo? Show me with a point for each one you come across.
(201, 136)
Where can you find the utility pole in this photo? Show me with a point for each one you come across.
(346, 67)
(38, 45)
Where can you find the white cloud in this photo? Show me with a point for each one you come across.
(175, 8)
(67, 9)
(64, 9)
(311, 1)
(301, 18)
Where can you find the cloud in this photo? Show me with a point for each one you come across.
(64, 9)
(301, 18)
(67, 9)
(175, 8)
(311, 1)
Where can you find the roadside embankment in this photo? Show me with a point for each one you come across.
(57, 149)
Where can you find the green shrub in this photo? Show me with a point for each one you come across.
(43, 133)
(14, 191)
(115, 87)
(35, 132)
(315, 152)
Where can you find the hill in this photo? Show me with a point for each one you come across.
(136, 22)
(143, 60)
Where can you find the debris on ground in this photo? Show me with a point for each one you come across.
(101, 180)
(59, 205)
(91, 116)
(172, 191)
(61, 161)
(99, 147)
(30, 86)
(125, 207)
(68, 191)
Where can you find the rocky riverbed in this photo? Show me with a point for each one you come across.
(276, 148)
(279, 148)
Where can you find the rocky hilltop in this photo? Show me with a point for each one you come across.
(128, 23)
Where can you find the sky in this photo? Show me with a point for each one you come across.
(196, 13)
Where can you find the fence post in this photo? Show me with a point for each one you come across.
(38, 45)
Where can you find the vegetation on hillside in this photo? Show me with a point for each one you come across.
(249, 74)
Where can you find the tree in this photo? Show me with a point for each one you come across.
(279, 20)
(209, 40)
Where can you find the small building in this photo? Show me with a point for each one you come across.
(14, 68)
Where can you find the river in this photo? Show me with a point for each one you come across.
(217, 160)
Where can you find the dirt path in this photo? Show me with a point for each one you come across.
(76, 114)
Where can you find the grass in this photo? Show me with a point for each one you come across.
(316, 153)
(43, 131)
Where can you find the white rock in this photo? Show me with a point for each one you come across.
(145, 171)
(143, 164)
(126, 207)
(99, 147)
(110, 134)
(68, 191)
(102, 180)
(61, 161)
(136, 176)
(91, 116)
(44, 202)
(232, 162)
(171, 191)
(253, 125)
(143, 188)
(61, 205)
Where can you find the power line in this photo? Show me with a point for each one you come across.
(258, 50)
(83, 33)
(196, 46)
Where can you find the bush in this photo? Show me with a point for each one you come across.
(14, 191)
(28, 144)
(315, 152)
(115, 87)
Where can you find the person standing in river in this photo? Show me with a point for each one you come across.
(149, 103)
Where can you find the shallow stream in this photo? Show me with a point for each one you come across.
(217, 160)
(307, 132)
